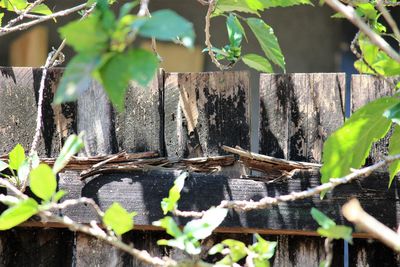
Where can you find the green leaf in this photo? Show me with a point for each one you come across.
(323, 220)
(202, 228)
(166, 25)
(265, 249)
(235, 30)
(118, 219)
(284, 3)
(247, 6)
(136, 64)
(169, 225)
(337, 232)
(393, 113)
(237, 251)
(394, 149)
(16, 157)
(23, 171)
(18, 213)
(349, 146)
(1, 18)
(57, 196)
(43, 182)
(170, 203)
(41, 9)
(72, 146)
(268, 41)
(216, 249)
(3, 165)
(257, 62)
(86, 36)
(76, 78)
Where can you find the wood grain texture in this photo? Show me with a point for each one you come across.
(18, 110)
(143, 191)
(204, 111)
(298, 112)
(139, 128)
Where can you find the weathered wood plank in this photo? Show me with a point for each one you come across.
(298, 112)
(140, 127)
(18, 108)
(143, 191)
(204, 111)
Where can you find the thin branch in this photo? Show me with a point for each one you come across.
(5, 183)
(352, 16)
(392, 23)
(24, 14)
(74, 202)
(211, 7)
(329, 252)
(26, 25)
(353, 212)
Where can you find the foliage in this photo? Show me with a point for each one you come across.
(329, 228)
(170, 203)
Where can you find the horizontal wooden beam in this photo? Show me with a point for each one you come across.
(142, 191)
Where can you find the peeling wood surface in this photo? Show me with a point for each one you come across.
(203, 111)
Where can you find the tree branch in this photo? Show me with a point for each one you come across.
(353, 212)
(352, 16)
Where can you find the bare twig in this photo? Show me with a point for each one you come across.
(353, 212)
(392, 23)
(144, 8)
(351, 15)
(211, 7)
(26, 25)
(25, 14)
(329, 252)
(74, 202)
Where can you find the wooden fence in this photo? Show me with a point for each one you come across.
(188, 115)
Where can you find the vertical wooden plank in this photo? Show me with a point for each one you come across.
(364, 89)
(139, 127)
(18, 110)
(36, 247)
(95, 117)
(204, 111)
(297, 114)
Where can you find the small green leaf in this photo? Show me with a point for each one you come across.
(393, 113)
(136, 64)
(18, 213)
(43, 182)
(349, 146)
(86, 36)
(3, 165)
(1, 18)
(323, 220)
(216, 249)
(284, 3)
(202, 228)
(258, 63)
(72, 146)
(118, 219)
(16, 157)
(170, 203)
(57, 196)
(268, 41)
(169, 225)
(41, 9)
(165, 25)
(247, 6)
(337, 232)
(265, 249)
(237, 251)
(76, 78)
(394, 149)
(235, 30)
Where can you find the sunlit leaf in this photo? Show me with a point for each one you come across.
(257, 62)
(284, 3)
(337, 232)
(394, 149)
(169, 225)
(267, 40)
(247, 6)
(18, 213)
(16, 157)
(118, 219)
(72, 145)
(170, 203)
(323, 220)
(43, 182)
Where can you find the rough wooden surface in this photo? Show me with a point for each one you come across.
(298, 112)
(139, 128)
(18, 104)
(204, 111)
